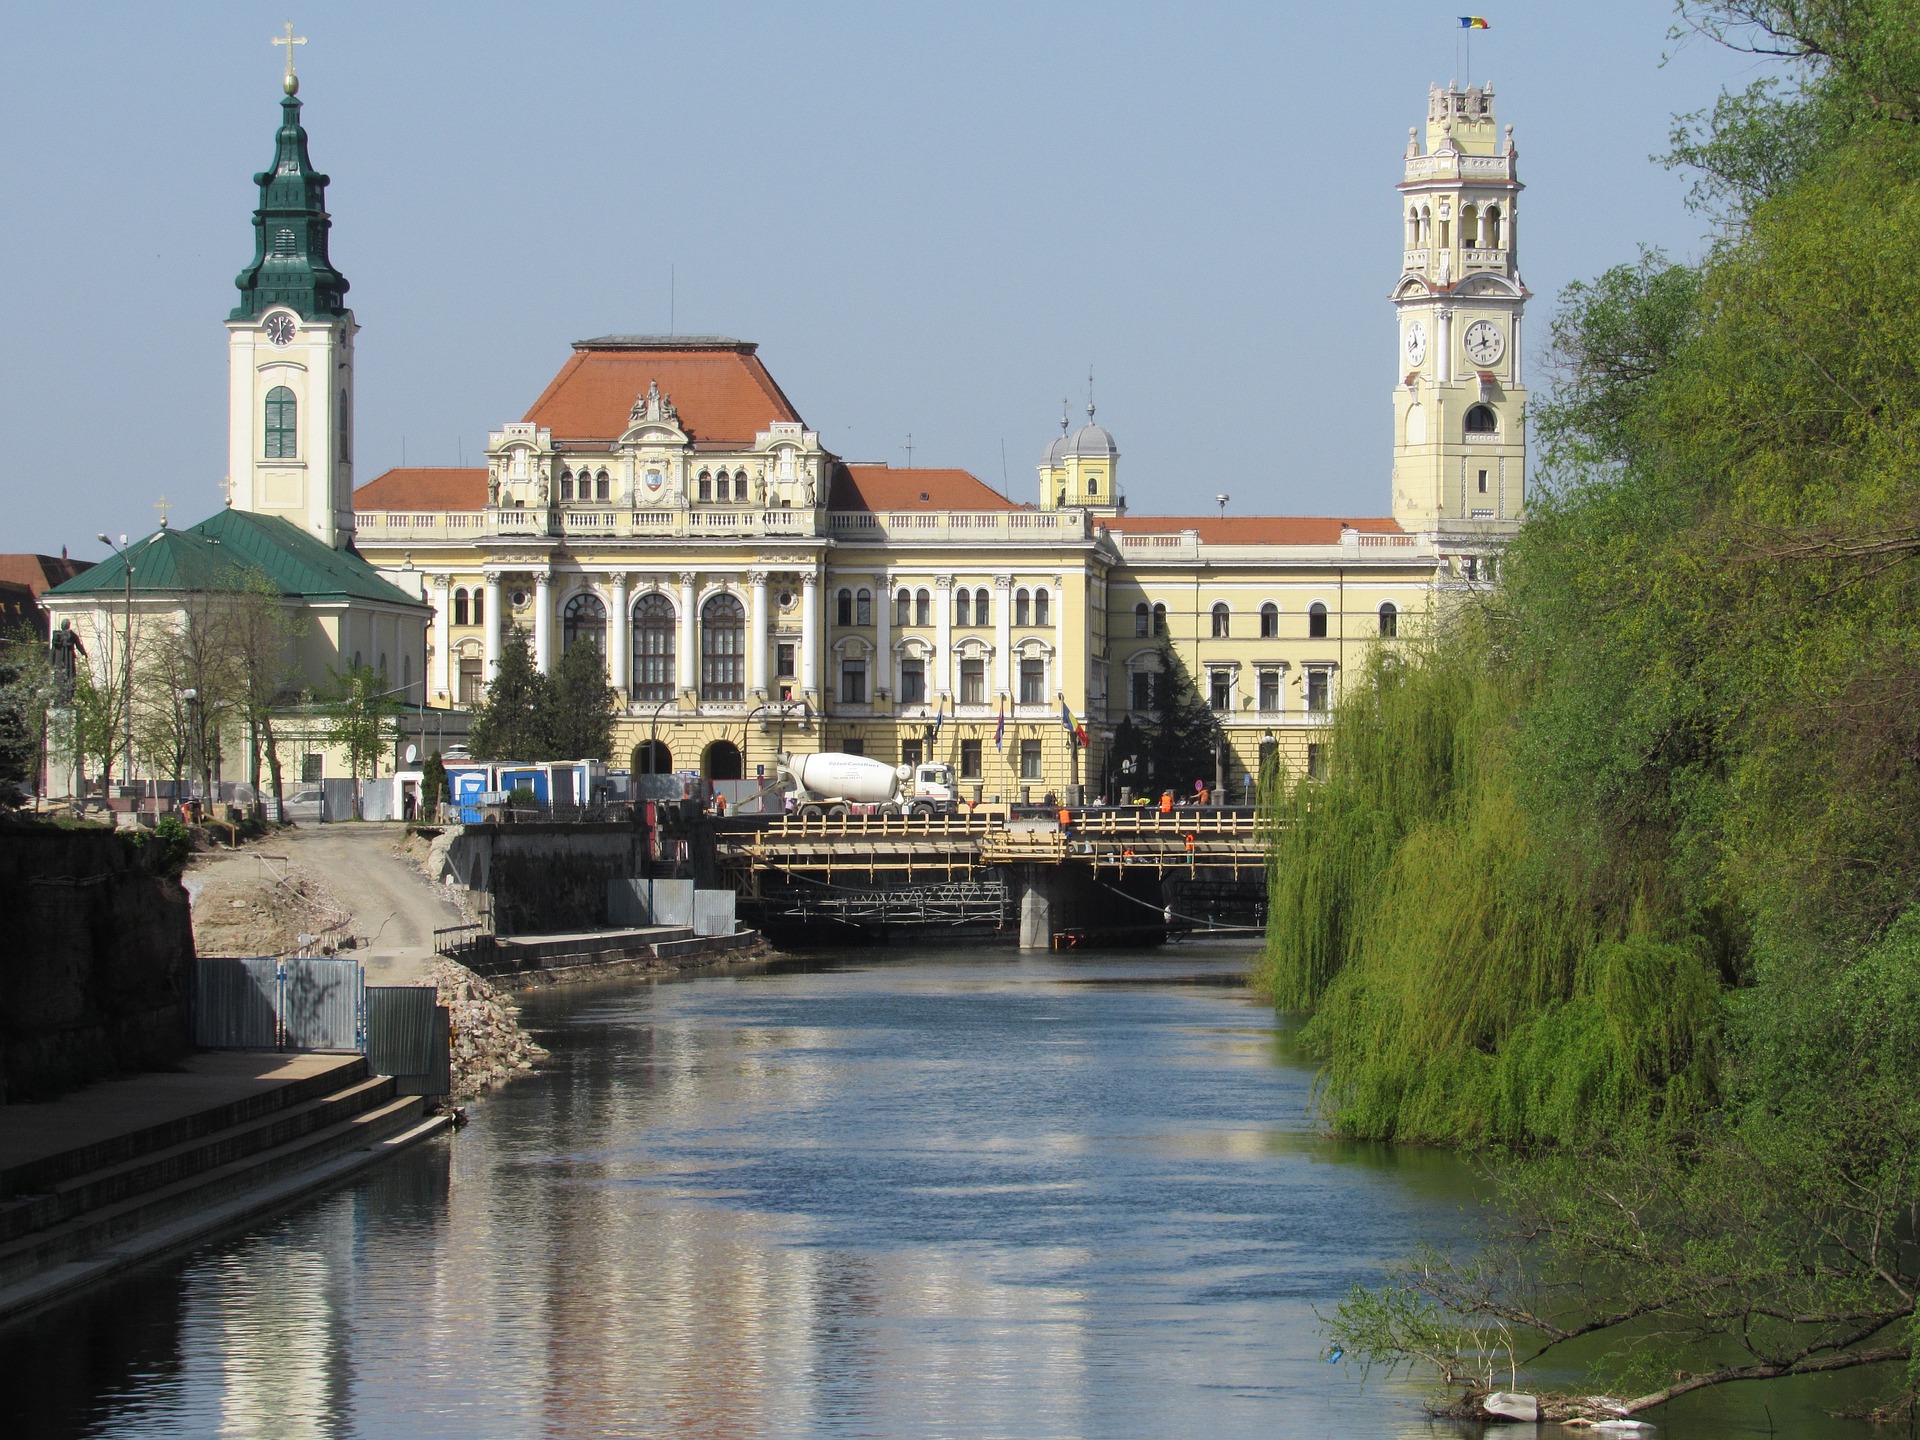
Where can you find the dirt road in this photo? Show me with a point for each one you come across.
(306, 880)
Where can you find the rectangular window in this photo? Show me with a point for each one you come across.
(1142, 696)
(311, 769)
(470, 682)
(1029, 759)
(1471, 565)
(1317, 691)
(1220, 690)
(1269, 690)
(1483, 482)
(913, 682)
(973, 682)
(1317, 761)
(1033, 682)
(853, 747)
(909, 752)
(969, 759)
(853, 682)
(783, 661)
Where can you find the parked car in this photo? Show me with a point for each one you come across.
(303, 804)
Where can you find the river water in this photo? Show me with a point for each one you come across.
(896, 1194)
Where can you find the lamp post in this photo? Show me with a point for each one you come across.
(126, 662)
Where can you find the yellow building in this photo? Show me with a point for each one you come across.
(666, 502)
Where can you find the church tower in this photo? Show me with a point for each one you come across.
(1459, 409)
(290, 352)
(1081, 469)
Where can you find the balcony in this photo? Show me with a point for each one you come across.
(454, 527)
(960, 526)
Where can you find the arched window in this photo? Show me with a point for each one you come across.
(1490, 223)
(653, 637)
(740, 486)
(902, 607)
(980, 616)
(1222, 621)
(283, 424)
(1269, 621)
(722, 487)
(843, 608)
(1389, 619)
(1413, 227)
(922, 608)
(1470, 226)
(1041, 607)
(705, 491)
(601, 490)
(863, 607)
(1093, 485)
(460, 607)
(585, 618)
(566, 484)
(1142, 620)
(963, 607)
(1160, 620)
(1022, 607)
(1317, 621)
(652, 757)
(723, 649)
(479, 607)
(1482, 421)
(1426, 225)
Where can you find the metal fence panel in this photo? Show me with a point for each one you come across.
(235, 1004)
(400, 1029)
(321, 1004)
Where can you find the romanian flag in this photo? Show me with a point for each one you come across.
(1000, 730)
(1079, 732)
(1474, 22)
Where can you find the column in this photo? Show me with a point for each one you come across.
(883, 637)
(543, 621)
(1003, 636)
(809, 632)
(492, 629)
(619, 639)
(442, 644)
(687, 632)
(757, 635)
(942, 680)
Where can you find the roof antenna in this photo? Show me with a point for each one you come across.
(1221, 501)
(1089, 391)
(1005, 486)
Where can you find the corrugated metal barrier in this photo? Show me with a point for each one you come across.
(407, 1038)
(236, 1004)
(279, 1005)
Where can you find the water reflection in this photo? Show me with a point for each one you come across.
(926, 1195)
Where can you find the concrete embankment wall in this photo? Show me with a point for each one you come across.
(95, 964)
(545, 877)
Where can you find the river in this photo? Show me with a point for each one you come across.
(929, 1193)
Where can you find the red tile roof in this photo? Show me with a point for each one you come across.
(722, 392)
(424, 489)
(39, 572)
(881, 487)
(1254, 529)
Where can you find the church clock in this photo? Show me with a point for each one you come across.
(280, 328)
(1484, 343)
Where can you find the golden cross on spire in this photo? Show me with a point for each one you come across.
(292, 81)
(163, 505)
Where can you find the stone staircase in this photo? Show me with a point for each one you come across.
(74, 1217)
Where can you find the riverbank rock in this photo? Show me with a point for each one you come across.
(487, 1046)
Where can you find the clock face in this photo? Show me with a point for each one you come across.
(1416, 341)
(280, 328)
(1484, 342)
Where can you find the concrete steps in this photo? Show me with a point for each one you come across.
(165, 1187)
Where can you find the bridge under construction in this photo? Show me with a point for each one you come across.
(1103, 876)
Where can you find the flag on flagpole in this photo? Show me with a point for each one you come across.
(939, 719)
(1000, 730)
(1474, 22)
(1078, 732)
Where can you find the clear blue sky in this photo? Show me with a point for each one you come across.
(932, 220)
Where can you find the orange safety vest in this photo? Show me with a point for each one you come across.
(1166, 802)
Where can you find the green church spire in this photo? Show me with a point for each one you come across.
(290, 265)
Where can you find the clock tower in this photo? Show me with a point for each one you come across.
(290, 353)
(1459, 407)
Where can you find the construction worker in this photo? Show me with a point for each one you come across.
(1166, 802)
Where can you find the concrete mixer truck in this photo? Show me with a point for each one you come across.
(837, 785)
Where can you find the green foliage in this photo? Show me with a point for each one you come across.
(359, 716)
(433, 785)
(167, 849)
(583, 706)
(516, 720)
(1179, 741)
(25, 681)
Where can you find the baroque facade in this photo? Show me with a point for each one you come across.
(664, 501)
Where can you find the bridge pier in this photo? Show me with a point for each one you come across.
(1040, 903)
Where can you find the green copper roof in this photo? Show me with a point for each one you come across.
(221, 552)
(290, 265)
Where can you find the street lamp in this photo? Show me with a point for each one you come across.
(126, 660)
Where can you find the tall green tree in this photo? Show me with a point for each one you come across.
(360, 716)
(583, 706)
(515, 722)
(1177, 740)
